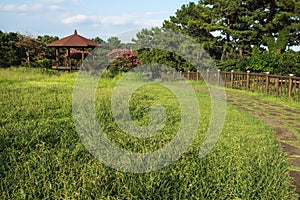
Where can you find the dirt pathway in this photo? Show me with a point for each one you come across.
(284, 121)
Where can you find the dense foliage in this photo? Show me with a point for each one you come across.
(123, 60)
(262, 61)
(10, 54)
(229, 30)
(17, 49)
(255, 35)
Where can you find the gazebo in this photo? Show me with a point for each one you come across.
(72, 41)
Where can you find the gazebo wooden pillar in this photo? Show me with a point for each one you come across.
(72, 41)
(68, 57)
(56, 56)
(82, 54)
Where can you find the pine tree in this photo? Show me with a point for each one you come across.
(239, 24)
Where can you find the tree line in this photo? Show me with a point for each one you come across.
(240, 35)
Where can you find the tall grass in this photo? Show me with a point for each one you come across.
(42, 157)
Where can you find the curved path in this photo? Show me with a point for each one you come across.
(284, 121)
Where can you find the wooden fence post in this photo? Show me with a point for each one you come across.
(180, 74)
(188, 75)
(277, 86)
(219, 77)
(197, 75)
(267, 82)
(207, 75)
(248, 81)
(290, 84)
(57, 58)
(232, 78)
(150, 75)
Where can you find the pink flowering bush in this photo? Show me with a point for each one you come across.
(122, 60)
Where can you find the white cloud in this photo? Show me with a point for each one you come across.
(77, 1)
(77, 19)
(9, 7)
(113, 20)
(148, 22)
(158, 13)
(20, 8)
(55, 8)
(52, 1)
(60, 1)
(25, 8)
(116, 20)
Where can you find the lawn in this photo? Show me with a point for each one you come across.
(42, 156)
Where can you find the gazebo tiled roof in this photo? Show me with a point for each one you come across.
(70, 42)
(73, 40)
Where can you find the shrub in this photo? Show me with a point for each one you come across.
(123, 60)
(44, 63)
(283, 64)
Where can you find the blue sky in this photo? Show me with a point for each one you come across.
(91, 18)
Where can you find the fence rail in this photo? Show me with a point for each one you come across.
(285, 86)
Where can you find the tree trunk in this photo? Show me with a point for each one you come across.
(27, 57)
(241, 52)
(224, 51)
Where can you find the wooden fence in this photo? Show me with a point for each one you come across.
(284, 86)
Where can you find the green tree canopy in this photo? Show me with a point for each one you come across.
(10, 54)
(239, 25)
(48, 52)
(150, 47)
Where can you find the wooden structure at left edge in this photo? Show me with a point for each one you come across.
(72, 41)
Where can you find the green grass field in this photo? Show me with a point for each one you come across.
(42, 156)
